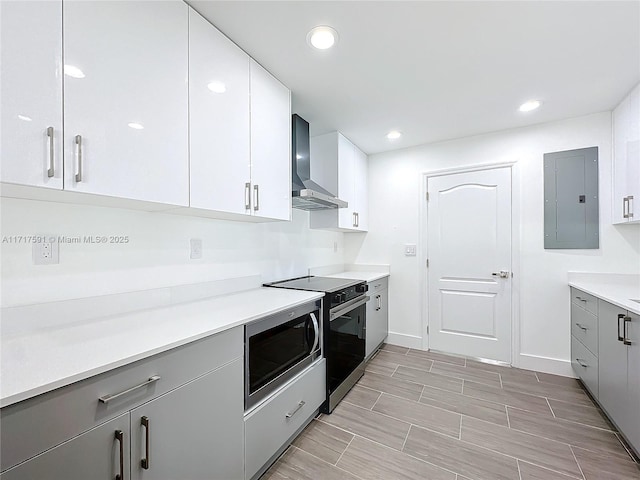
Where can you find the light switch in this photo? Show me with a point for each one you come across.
(410, 250)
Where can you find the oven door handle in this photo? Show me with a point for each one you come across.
(347, 307)
(316, 330)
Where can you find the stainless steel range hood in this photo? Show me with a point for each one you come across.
(306, 193)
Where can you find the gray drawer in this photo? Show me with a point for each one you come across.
(267, 428)
(378, 285)
(42, 422)
(584, 326)
(586, 301)
(585, 364)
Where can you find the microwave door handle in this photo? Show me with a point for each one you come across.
(316, 329)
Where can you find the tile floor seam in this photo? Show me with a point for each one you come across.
(501, 384)
(405, 438)
(376, 402)
(577, 462)
(345, 449)
(519, 472)
(324, 461)
(552, 412)
(537, 377)
(506, 409)
(624, 445)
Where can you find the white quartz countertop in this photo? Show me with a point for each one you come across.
(41, 360)
(616, 290)
(364, 276)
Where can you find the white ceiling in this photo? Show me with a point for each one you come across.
(439, 70)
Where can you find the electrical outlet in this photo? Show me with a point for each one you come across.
(46, 252)
(196, 248)
(410, 250)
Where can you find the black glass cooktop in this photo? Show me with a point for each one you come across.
(316, 284)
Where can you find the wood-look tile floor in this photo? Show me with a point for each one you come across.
(427, 416)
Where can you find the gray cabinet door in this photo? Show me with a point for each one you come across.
(612, 362)
(195, 431)
(377, 321)
(93, 455)
(633, 381)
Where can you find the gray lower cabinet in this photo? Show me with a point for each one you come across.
(271, 426)
(193, 432)
(609, 363)
(93, 455)
(175, 415)
(377, 316)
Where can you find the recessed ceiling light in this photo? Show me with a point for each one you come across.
(322, 37)
(217, 87)
(25, 118)
(73, 71)
(529, 105)
(135, 126)
(393, 135)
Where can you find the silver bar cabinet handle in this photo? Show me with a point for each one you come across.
(625, 340)
(79, 150)
(50, 171)
(120, 439)
(582, 363)
(295, 410)
(256, 197)
(625, 207)
(357, 219)
(146, 461)
(108, 398)
(620, 317)
(630, 206)
(581, 327)
(247, 196)
(353, 221)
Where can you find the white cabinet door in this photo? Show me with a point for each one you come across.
(361, 191)
(219, 120)
(632, 430)
(31, 93)
(346, 185)
(94, 455)
(626, 163)
(194, 432)
(270, 145)
(126, 99)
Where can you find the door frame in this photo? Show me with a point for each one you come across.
(423, 253)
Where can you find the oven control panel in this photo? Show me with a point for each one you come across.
(342, 296)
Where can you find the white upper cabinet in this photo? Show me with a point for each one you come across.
(361, 190)
(126, 99)
(270, 145)
(219, 136)
(626, 159)
(350, 164)
(31, 93)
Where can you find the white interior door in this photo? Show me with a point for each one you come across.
(469, 248)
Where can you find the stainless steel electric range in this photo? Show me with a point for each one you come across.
(344, 325)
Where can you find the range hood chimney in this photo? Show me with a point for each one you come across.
(306, 193)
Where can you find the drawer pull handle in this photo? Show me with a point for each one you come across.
(581, 327)
(625, 340)
(295, 410)
(145, 462)
(582, 299)
(620, 317)
(120, 439)
(582, 363)
(78, 141)
(108, 398)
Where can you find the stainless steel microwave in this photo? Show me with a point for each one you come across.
(278, 347)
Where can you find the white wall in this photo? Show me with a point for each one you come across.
(157, 254)
(395, 185)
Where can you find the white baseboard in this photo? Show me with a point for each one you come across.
(545, 364)
(403, 340)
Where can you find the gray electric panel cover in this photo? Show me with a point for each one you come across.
(571, 199)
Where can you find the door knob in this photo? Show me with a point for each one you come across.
(501, 274)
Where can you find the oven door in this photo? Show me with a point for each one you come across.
(346, 345)
(279, 347)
